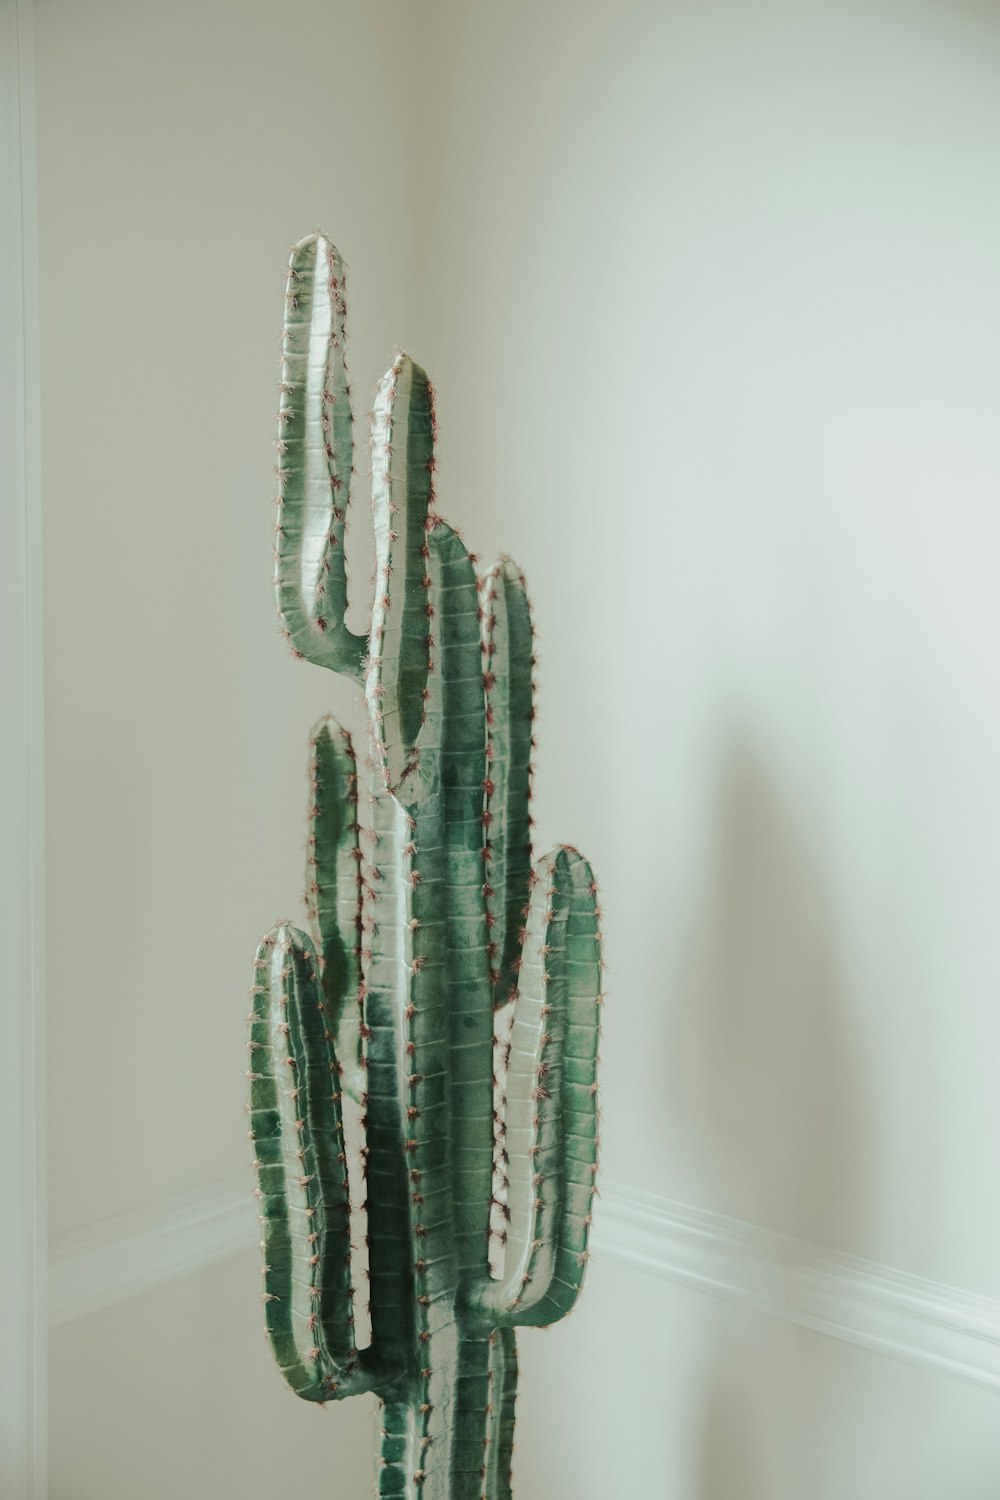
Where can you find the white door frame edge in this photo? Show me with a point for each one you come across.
(23, 1251)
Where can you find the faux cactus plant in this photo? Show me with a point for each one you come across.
(451, 987)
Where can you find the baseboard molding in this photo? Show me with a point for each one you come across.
(876, 1307)
(91, 1269)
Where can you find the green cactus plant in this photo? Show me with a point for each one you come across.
(450, 986)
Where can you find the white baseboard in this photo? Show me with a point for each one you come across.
(859, 1301)
(954, 1332)
(93, 1268)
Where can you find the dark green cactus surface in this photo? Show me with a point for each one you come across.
(451, 987)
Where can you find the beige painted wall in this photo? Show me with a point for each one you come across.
(186, 1403)
(181, 150)
(714, 309)
(710, 297)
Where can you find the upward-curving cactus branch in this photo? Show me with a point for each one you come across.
(451, 987)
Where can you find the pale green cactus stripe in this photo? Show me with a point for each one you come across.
(301, 1170)
(333, 890)
(551, 1117)
(508, 659)
(315, 462)
(402, 625)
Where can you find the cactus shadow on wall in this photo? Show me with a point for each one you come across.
(730, 1462)
(774, 1097)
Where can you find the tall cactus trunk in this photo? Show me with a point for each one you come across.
(451, 986)
(461, 1447)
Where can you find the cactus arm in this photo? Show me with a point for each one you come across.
(508, 658)
(403, 426)
(333, 890)
(508, 661)
(551, 1120)
(315, 463)
(301, 1168)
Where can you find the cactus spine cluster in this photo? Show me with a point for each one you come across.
(451, 987)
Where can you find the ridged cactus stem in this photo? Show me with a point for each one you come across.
(301, 1165)
(335, 892)
(315, 447)
(452, 987)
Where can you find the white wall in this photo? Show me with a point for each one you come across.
(710, 299)
(714, 310)
(653, 1389)
(713, 304)
(182, 149)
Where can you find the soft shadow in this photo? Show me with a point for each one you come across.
(773, 1092)
(731, 1462)
(772, 1085)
